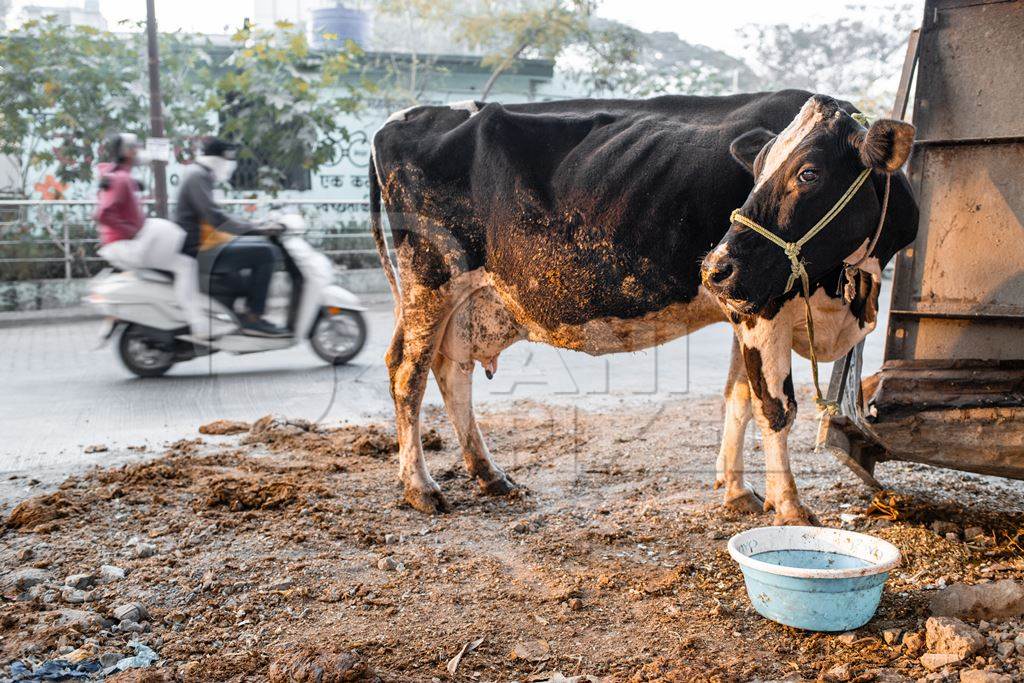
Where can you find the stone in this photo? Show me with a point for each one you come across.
(531, 651)
(175, 617)
(81, 620)
(87, 651)
(889, 676)
(22, 579)
(1005, 649)
(521, 527)
(143, 550)
(392, 539)
(387, 564)
(997, 600)
(891, 636)
(839, 673)
(73, 596)
(1018, 642)
(945, 635)
(981, 676)
(913, 641)
(934, 661)
(109, 659)
(130, 626)
(80, 580)
(131, 611)
(109, 573)
(282, 584)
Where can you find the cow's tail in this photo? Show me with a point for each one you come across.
(380, 238)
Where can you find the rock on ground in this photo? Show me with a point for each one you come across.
(301, 664)
(980, 676)
(945, 635)
(999, 600)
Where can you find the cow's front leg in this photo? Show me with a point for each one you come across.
(767, 354)
(729, 469)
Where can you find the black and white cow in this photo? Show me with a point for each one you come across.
(584, 224)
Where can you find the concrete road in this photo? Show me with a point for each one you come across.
(61, 395)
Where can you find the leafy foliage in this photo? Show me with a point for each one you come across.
(282, 102)
(61, 90)
(637, 64)
(855, 57)
(505, 30)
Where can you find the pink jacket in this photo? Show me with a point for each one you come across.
(119, 211)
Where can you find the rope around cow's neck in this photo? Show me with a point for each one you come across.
(799, 268)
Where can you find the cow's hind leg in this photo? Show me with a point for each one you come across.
(729, 470)
(456, 383)
(409, 358)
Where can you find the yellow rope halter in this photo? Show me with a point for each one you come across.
(799, 268)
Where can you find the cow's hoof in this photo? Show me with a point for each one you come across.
(498, 486)
(795, 514)
(430, 501)
(746, 501)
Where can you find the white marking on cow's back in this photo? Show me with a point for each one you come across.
(791, 136)
(467, 105)
(400, 114)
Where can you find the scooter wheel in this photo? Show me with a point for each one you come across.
(338, 337)
(141, 354)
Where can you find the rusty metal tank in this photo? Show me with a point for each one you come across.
(951, 390)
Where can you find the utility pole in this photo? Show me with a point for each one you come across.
(156, 115)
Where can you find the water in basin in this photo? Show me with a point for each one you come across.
(810, 559)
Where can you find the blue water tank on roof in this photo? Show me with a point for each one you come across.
(340, 24)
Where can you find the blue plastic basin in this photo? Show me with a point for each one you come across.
(814, 578)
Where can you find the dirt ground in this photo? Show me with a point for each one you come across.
(285, 553)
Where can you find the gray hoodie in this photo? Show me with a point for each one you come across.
(196, 207)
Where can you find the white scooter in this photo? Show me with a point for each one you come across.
(153, 334)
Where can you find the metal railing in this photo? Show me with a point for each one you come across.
(42, 239)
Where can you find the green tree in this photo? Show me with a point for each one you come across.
(638, 64)
(856, 57)
(282, 102)
(61, 90)
(417, 33)
(506, 30)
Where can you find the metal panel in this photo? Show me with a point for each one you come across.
(959, 289)
(951, 392)
(970, 76)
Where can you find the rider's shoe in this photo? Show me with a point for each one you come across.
(259, 327)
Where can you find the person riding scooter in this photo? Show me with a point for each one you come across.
(220, 242)
(130, 240)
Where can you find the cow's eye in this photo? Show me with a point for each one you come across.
(808, 175)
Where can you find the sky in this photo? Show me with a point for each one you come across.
(711, 23)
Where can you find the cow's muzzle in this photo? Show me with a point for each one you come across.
(718, 272)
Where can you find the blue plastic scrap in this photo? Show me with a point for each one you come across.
(144, 656)
(54, 670)
(63, 670)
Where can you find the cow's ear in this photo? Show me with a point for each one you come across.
(746, 147)
(886, 145)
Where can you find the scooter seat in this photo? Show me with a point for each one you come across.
(153, 275)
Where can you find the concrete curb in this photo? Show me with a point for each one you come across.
(45, 300)
(48, 316)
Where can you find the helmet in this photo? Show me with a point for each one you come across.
(218, 147)
(220, 157)
(116, 146)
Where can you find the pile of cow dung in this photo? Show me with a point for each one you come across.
(282, 551)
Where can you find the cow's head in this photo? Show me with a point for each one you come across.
(799, 175)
